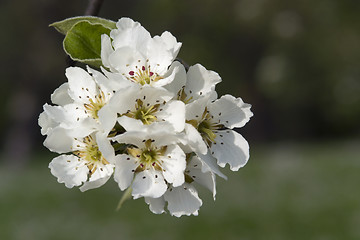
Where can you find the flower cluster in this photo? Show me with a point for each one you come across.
(143, 118)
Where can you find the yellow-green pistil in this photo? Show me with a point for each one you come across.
(144, 113)
(206, 127)
(91, 154)
(149, 156)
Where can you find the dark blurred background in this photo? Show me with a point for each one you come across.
(297, 63)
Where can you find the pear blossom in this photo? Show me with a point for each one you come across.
(136, 57)
(158, 128)
(198, 82)
(140, 106)
(151, 161)
(90, 163)
(184, 199)
(214, 121)
(79, 102)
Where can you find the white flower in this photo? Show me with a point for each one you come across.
(139, 106)
(131, 52)
(152, 160)
(196, 83)
(184, 199)
(90, 162)
(214, 120)
(79, 101)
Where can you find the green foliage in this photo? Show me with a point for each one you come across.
(83, 37)
(83, 42)
(65, 25)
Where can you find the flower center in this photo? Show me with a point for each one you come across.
(144, 113)
(149, 156)
(182, 96)
(95, 105)
(206, 127)
(91, 154)
(144, 76)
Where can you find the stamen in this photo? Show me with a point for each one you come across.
(143, 75)
(149, 156)
(89, 151)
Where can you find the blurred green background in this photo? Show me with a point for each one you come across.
(298, 64)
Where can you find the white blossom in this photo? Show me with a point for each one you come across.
(184, 199)
(136, 57)
(160, 129)
(140, 106)
(78, 103)
(90, 163)
(152, 160)
(214, 121)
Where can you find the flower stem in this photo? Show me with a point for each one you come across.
(124, 197)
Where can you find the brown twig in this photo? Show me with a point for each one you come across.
(93, 7)
(183, 63)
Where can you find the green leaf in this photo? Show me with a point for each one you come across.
(83, 42)
(65, 25)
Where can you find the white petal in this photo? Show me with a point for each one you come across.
(105, 147)
(159, 57)
(59, 141)
(56, 113)
(174, 165)
(167, 78)
(209, 163)
(117, 80)
(156, 205)
(171, 43)
(231, 148)
(81, 85)
(69, 170)
(125, 59)
(154, 95)
(195, 109)
(106, 50)
(72, 118)
(107, 118)
(160, 137)
(121, 102)
(125, 167)
(94, 184)
(148, 183)
(102, 172)
(173, 113)
(130, 124)
(83, 128)
(201, 81)
(102, 82)
(232, 112)
(183, 200)
(196, 171)
(179, 80)
(124, 101)
(132, 35)
(192, 140)
(125, 22)
(46, 123)
(132, 137)
(61, 96)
